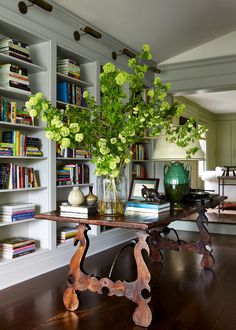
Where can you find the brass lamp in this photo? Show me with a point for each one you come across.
(176, 175)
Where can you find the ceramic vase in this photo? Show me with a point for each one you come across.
(76, 197)
(176, 183)
(91, 199)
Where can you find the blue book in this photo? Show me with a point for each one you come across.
(147, 205)
(63, 91)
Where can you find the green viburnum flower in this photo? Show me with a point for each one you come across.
(45, 106)
(85, 94)
(74, 127)
(151, 93)
(121, 78)
(146, 48)
(79, 137)
(33, 113)
(64, 131)
(108, 68)
(49, 135)
(132, 62)
(113, 140)
(65, 143)
(38, 96)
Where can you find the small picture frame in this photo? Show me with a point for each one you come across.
(137, 185)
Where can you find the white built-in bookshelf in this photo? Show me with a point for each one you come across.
(47, 42)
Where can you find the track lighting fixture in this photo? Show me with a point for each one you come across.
(23, 7)
(87, 30)
(124, 51)
(131, 54)
(154, 69)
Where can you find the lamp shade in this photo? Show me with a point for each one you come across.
(167, 151)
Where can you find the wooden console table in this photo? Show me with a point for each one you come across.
(150, 230)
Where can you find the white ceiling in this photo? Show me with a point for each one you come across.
(171, 27)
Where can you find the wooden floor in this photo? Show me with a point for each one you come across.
(183, 295)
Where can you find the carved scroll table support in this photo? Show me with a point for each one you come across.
(203, 246)
(78, 280)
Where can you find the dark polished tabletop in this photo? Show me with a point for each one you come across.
(138, 221)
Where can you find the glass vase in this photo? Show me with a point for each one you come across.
(112, 195)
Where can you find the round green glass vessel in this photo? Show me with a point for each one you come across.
(176, 183)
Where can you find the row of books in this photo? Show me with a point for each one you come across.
(9, 113)
(73, 174)
(144, 207)
(66, 233)
(82, 211)
(15, 76)
(13, 176)
(15, 48)
(139, 152)
(68, 67)
(72, 153)
(70, 93)
(13, 212)
(15, 143)
(15, 247)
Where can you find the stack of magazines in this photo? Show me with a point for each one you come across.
(14, 247)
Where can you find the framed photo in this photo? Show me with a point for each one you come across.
(137, 185)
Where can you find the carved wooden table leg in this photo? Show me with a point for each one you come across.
(70, 297)
(205, 245)
(78, 280)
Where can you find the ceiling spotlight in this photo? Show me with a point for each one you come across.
(87, 30)
(41, 3)
(124, 51)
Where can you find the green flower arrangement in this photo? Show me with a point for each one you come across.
(110, 129)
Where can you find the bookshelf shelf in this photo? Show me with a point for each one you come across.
(14, 92)
(5, 223)
(32, 68)
(78, 82)
(75, 185)
(38, 251)
(63, 104)
(23, 157)
(22, 189)
(23, 126)
(73, 159)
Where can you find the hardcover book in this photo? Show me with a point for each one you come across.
(79, 209)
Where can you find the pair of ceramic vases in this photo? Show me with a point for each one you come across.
(77, 198)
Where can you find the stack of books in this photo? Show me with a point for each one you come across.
(146, 207)
(68, 67)
(15, 48)
(66, 233)
(17, 211)
(15, 76)
(82, 211)
(14, 247)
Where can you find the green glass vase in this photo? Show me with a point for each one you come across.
(176, 183)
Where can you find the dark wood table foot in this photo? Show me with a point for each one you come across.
(78, 280)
